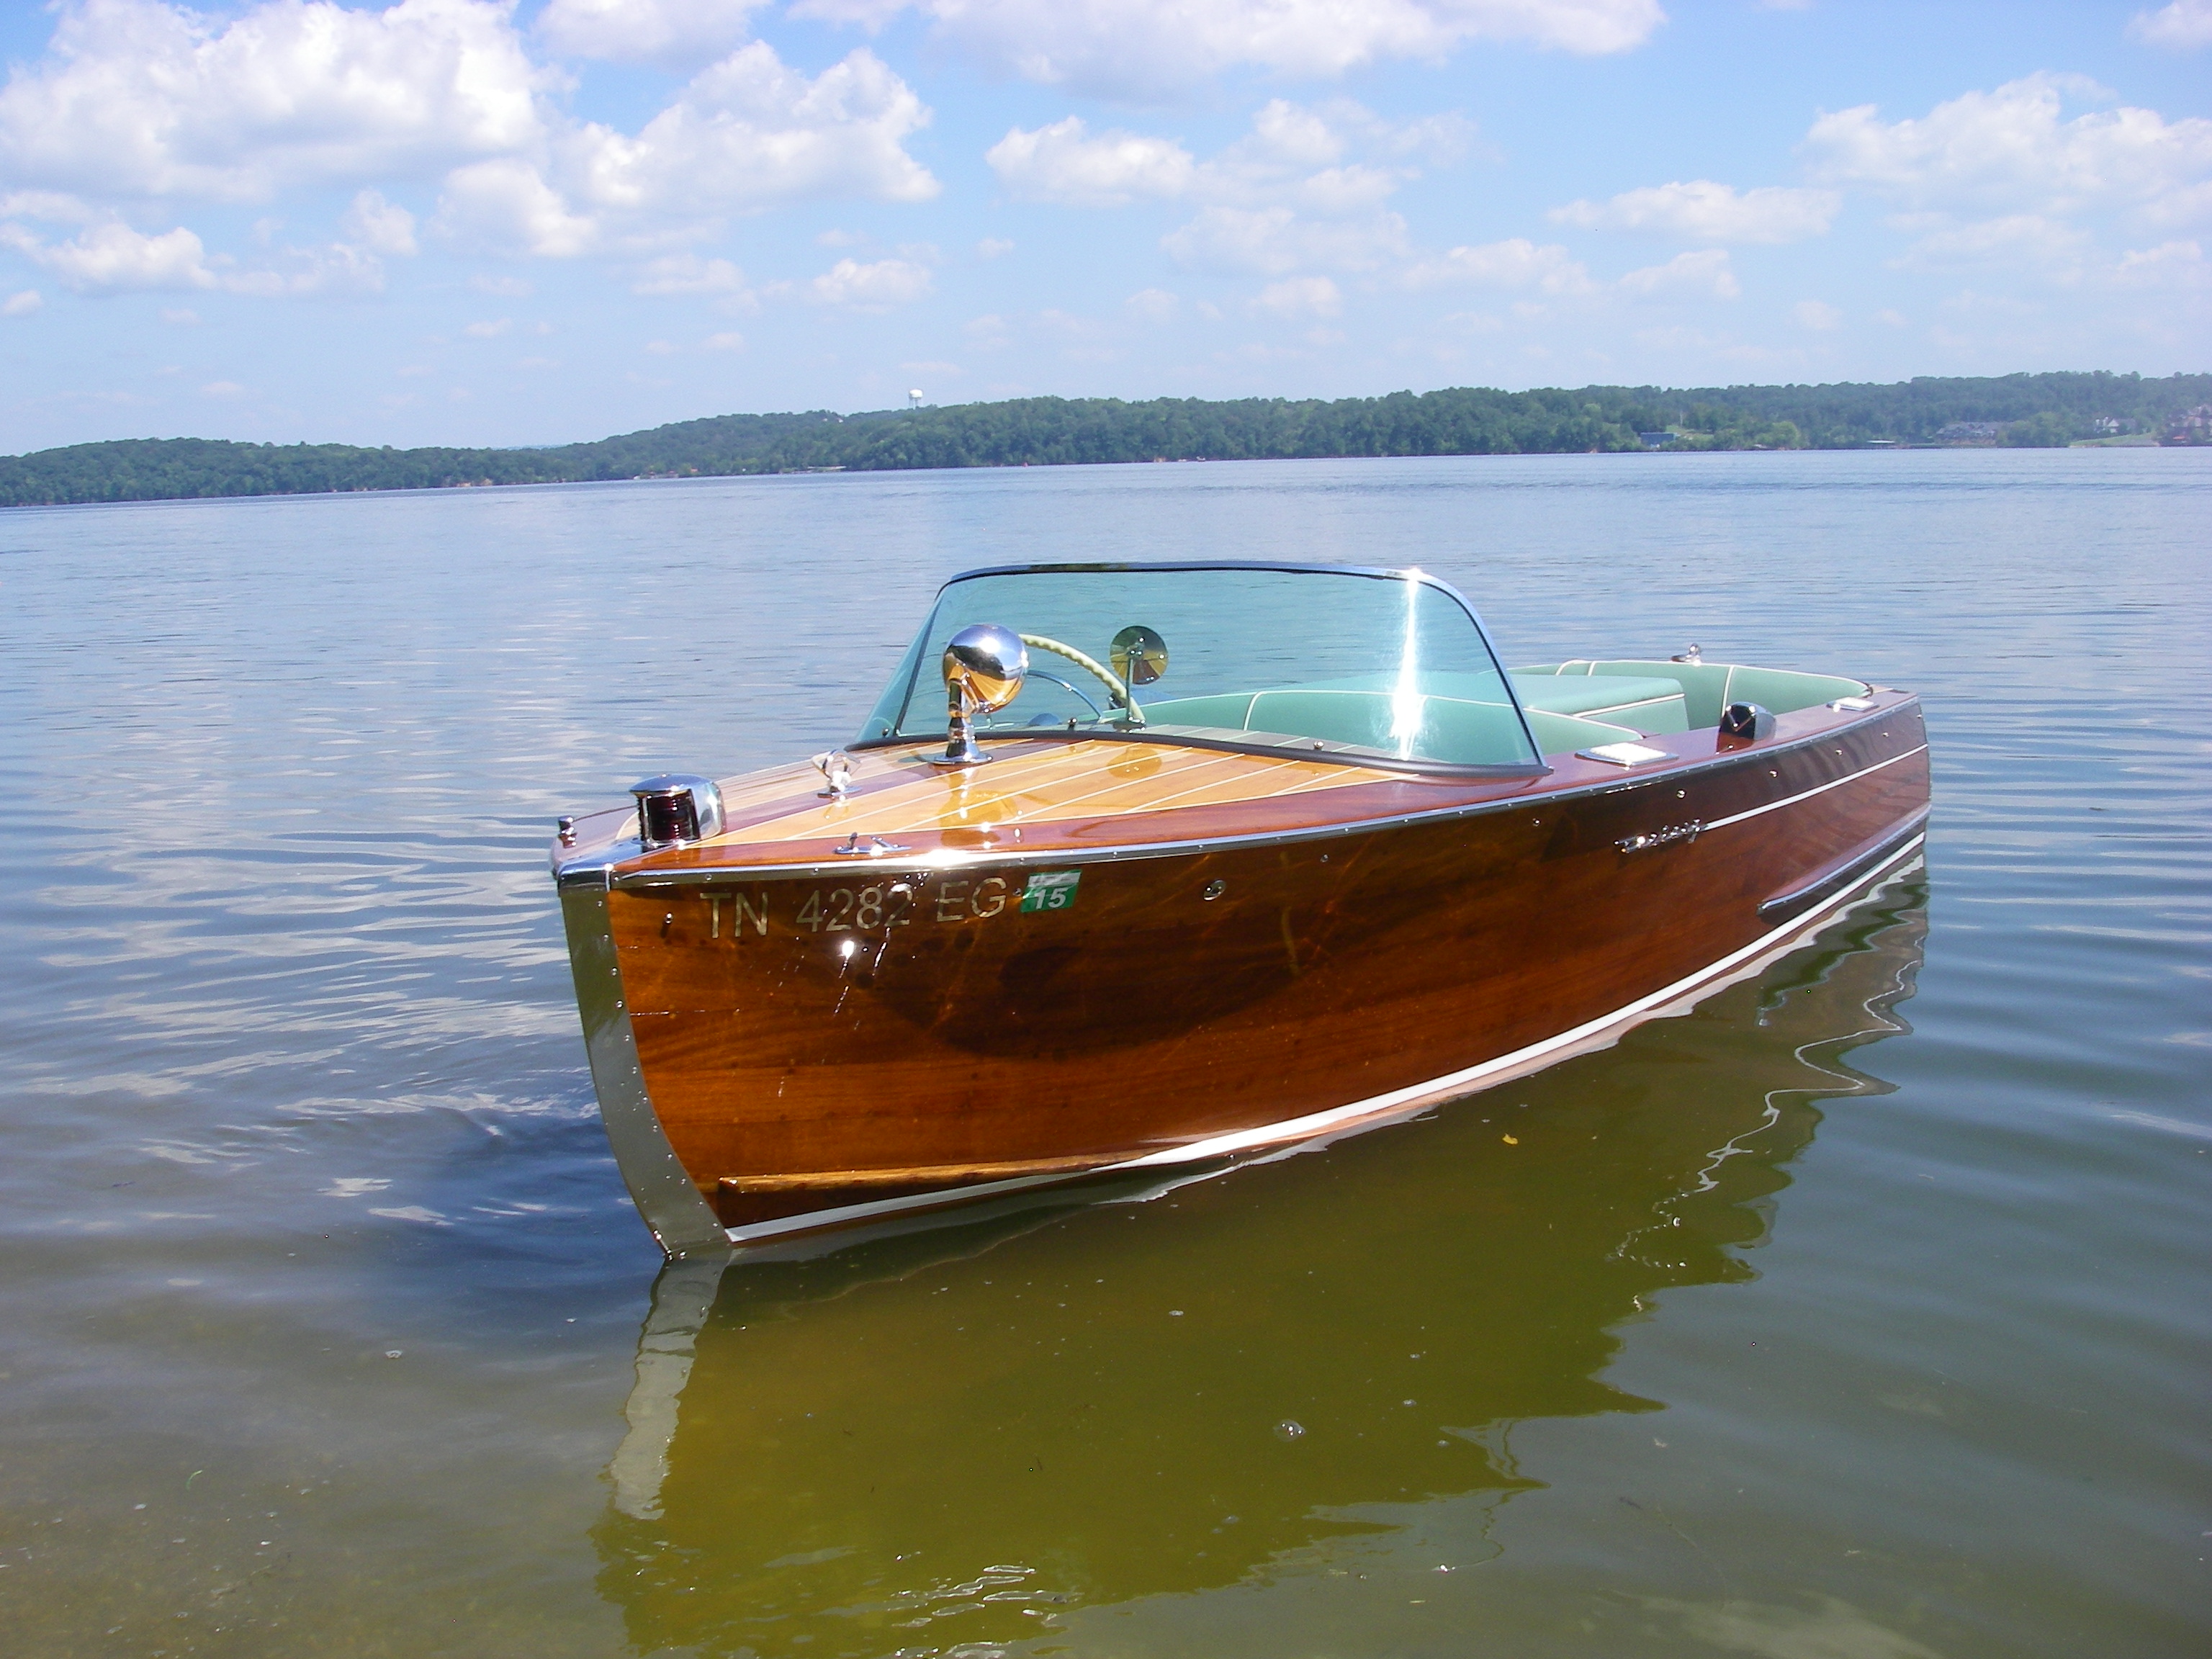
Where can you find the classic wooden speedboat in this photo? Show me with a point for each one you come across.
(1142, 868)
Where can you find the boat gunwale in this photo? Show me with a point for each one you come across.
(599, 870)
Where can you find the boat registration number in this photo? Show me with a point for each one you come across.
(895, 903)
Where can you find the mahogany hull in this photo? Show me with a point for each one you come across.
(818, 1043)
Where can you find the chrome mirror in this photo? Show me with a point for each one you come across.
(1140, 655)
(984, 667)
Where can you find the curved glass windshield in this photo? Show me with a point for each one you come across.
(1362, 665)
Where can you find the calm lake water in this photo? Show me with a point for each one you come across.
(1861, 1315)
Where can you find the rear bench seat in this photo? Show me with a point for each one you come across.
(1645, 705)
(1573, 705)
(1705, 688)
(1467, 731)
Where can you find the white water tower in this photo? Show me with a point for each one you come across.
(914, 398)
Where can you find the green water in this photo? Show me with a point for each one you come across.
(1859, 1314)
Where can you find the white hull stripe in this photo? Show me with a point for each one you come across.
(1818, 789)
(1376, 1106)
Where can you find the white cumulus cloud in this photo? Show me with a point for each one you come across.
(2178, 265)
(1139, 48)
(1300, 296)
(2033, 240)
(507, 205)
(21, 304)
(1064, 163)
(688, 273)
(334, 268)
(1701, 210)
(1294, 153)
(135, 99)
(112, 258)
(2185, 25)
(143, 98)
(666, 32)
(1303, 189)
(1705, 274)
(1549, 271)
(1275, 241)
(746, 134)
(381, 226)
(2013, 149)
(1516, 263)
(869, 287)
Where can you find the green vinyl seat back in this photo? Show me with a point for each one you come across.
(1648, 703)
(1710, 687)
(1465, 719)
(1561, 734)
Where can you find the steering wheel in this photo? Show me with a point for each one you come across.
(1107, 676)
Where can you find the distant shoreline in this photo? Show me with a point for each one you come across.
(2017, 410)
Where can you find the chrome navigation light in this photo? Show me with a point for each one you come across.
(984, 667)
(676, 809)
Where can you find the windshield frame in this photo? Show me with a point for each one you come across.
(1342, 754)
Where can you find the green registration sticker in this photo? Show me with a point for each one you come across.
(1051, 890)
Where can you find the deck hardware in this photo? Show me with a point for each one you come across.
(835, 766)
(1746, 719)
(1214, 890)
(566, 829)
(1695, 655)
(1853, 706)
(984, 667)
(876, 846)
(676, 808)
(1667, 837)
(1623, 754)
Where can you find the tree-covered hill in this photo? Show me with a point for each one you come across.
(2030, 408)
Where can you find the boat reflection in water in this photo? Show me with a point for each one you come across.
(963, 1435)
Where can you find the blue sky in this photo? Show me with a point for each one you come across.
(474, 222)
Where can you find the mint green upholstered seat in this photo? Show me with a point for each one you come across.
(1453, 729)
(1710, 687)
(1464, 719)
(1561, 734)
(1648, 704)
